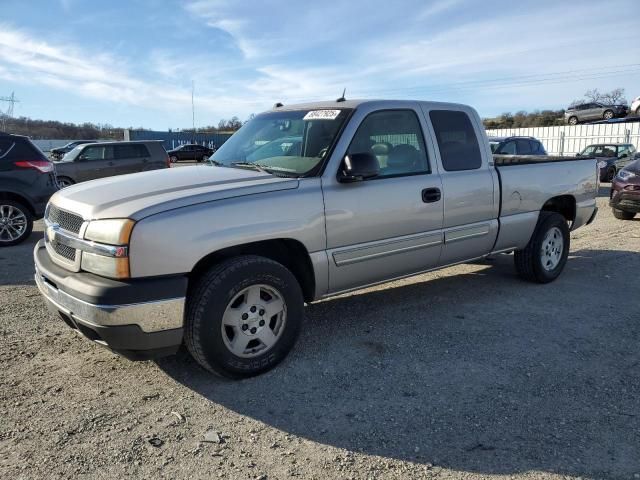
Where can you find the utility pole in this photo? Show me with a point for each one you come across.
(12, 101)
(193, 111)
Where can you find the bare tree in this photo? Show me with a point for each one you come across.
(614, 97)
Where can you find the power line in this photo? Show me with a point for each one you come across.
(12, 101)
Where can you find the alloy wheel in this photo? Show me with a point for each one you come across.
(552, 248)
(13, 223)
(254, 321)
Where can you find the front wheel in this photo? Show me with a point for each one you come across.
(173, 159)
(573, 121)
(622, 215)
(243, 316)
(545, 256)
(16, 223)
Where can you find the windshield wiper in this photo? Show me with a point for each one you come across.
(216, 163)
(255, 166)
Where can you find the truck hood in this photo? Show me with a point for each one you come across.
(142, 194)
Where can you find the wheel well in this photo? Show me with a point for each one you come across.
(18, 198)
(565, 205)
(290, 253)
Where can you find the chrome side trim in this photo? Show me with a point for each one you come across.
(399, 277)
(386, 248)
(149, 316)
(465, 233)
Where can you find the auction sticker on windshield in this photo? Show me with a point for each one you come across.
(322, 115)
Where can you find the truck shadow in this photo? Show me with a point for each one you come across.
(477, 372)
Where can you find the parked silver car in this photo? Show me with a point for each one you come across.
(347, 194)
(594, 111)
(635, 106)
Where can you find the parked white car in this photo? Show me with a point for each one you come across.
(635, 106)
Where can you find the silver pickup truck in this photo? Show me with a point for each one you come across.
(302, 203)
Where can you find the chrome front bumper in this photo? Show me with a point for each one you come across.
(154, 316)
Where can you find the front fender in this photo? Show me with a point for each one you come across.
(173, 242)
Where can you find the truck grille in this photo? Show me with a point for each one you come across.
(65, 251)
(67, 221)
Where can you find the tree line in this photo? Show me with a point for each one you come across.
(52, 129)
(550, 118)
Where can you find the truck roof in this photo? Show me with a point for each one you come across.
(358, 102)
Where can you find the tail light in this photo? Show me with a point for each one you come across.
(40, 165)
(168, 162)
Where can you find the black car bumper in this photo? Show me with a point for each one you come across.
(625, 201)
(139, 319)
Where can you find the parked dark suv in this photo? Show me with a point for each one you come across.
(98, 160)
(516, 146)
(27, 180)
(195, 152)
(625, 192)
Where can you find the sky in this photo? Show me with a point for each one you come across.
(133, 63)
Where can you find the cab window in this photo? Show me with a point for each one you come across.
(395, 138)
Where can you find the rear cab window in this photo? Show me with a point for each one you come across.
(457, 140)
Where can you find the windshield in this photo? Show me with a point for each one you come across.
(289, 142)
(71, 155)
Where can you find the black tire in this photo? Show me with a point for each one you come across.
(208, 300)
(64, 182)
(5, 240)
(611, 174)
(608, 114)
(622, 215)
(173, 159)
(528, 262)
(573, 120)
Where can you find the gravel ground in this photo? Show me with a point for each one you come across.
(468, 372)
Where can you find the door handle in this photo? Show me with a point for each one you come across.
(431, 195)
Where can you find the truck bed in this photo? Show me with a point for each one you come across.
(506, 160)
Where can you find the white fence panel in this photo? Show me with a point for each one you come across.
(569, 140)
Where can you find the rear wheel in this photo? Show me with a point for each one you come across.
(622, 215)
(608, 114)
(16, 223)
(573, 120)
(64, 182)
(545, 256)
(243, 316)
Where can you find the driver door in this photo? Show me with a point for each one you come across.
(391, 225)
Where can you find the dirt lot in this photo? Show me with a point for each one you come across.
(464, 373)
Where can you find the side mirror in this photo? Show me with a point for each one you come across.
(578, 155)
(357, 167)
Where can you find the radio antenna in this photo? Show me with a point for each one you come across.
(342, 99)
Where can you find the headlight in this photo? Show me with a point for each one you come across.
(601, 164)
(111, 232)
(625, 174)
(112, 239)
(105, 266)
